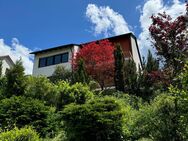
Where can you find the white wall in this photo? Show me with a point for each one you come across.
(135, 52)
(49, 70)
(6, 65)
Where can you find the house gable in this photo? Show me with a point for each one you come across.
(7, 63)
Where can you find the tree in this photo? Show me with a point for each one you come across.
(61, 73)
(170, 40)
(180, 93)
(15, 80)
(149, 78)
(152, 63)
(99, 60)
(119, 76)
(2, 81)
(1, 67)
(80, 74)
(130, 76)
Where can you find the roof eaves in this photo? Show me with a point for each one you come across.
(54, 48)
(108, 38)
(8, 57)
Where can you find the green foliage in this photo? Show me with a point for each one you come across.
(130, 76)
(41, 88)
(1, 68)
(2, 87)
(60, 74)
(119, 76)
(180, 92)
(23, 134)
(77, 93)
(165, 118)
(15, 80)
(100, 119)
(93, 85)
(53, 124)
(60, 137)
(152, 63)
(149, 78)
(80, 74)
(21, 111)
(158, 121)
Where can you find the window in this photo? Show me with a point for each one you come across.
(42, 62)
(53, 60)
(57, 59)
(49, 61)
(65, 57)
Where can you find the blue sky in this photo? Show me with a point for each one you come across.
(37, 24)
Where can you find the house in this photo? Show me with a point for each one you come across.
(45, 61)
(7, 63)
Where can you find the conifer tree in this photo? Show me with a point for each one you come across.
(15, 80)
(119, 76)
(80, 74)
(130, 76)
(148, 77)
(152, 63)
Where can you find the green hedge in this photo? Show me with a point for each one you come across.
(23, 134)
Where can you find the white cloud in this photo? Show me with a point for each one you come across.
(17, 51)
(152, 7)
(106, 21)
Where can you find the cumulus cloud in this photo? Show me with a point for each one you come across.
(152, 7)
(17, 51)
(106, 21)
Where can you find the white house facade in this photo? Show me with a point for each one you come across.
(45, 61)
(7, 63)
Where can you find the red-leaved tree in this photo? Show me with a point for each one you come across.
(170, 39)
(98, 59)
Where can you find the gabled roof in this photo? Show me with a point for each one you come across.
(7, 57)
(54, 48)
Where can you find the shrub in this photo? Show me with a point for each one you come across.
(98, 120)
(41, 88)
(23, 134)
(158, 121)
(77, 93)
(21, 111)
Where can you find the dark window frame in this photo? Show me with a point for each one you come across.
(40, 65)
(64, 59)
(67, 57)
(49, 60)
(57, 62)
